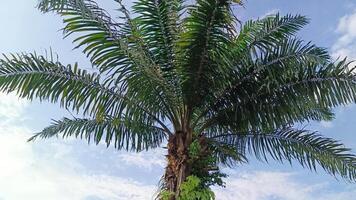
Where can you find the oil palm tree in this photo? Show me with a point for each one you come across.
(189, 76)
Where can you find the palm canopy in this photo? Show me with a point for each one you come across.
(171, 67)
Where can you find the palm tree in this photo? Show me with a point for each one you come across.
(184, 74)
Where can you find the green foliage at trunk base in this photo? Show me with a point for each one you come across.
(205, 165)
(192, 189)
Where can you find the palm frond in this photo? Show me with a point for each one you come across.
(33, 76)
(124, 133)
(119, 51)
(288, 144)
(203, 48)
(262, 33)
(227, 154)
(258, 120)
(286, 55)
(158, 22)
(102, 37)
(283, 82)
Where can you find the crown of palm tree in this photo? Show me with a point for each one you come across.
(172, 67)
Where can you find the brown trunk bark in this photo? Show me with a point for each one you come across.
(178, 168)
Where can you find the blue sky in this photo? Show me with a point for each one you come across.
(70, 169)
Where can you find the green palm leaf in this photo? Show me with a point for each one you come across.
(33, 76)
(288, 144)
(117, 50)
(263, 33)
(101, 35)
(281, 86)
(125, 134)
(203, 48)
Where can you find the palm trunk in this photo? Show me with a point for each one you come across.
(178, 168)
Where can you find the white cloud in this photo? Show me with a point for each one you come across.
(11, 106)
(145, 160)
(346, 44)
(26, 173)
(326, 124)
(262, 186)
(270, 12)
(265, 185)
